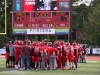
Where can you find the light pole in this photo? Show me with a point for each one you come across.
(5, 29)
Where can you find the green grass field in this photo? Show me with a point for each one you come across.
(89, 68)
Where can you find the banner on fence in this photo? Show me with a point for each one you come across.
(96, 51)
(2, 51)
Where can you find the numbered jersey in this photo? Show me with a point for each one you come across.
(36, 50)
(17, 49)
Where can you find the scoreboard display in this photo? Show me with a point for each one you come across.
(48, 15)
(41, 19)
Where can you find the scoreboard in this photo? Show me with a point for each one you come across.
(41, 20)
(34, 17)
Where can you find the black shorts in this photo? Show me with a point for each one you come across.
(12, 58)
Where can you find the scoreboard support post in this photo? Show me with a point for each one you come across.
(70, 29)
(68, 37)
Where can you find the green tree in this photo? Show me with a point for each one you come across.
(9, 18)
(5, 38)
(1, 16)
(91, 28)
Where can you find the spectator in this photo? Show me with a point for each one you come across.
(84, 54)
(25, 55)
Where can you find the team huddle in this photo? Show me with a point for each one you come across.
(44, 55)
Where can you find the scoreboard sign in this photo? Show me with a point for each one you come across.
(37, 15)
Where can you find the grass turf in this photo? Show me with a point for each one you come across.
(89, 68)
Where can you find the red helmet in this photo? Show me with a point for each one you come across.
(57, 42)
(37, 44)
(28, 42)
(67, 43)
(74, 43)
(49, 43)
(42, 43)
(34, 43)
(16, 42)
(62, 42)
(21, 42)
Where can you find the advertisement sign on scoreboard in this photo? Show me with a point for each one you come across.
(41, 31)
(41, 14)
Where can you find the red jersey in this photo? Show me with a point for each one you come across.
(75, 50)
(71, 51)
(17, 50)
(64, 51)
(32, 47)
(43, 49)
(80, 49)
(68, 48)
(60, 51)
(36, 50)
(53, 51)
(7, 47)
(7, 51)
